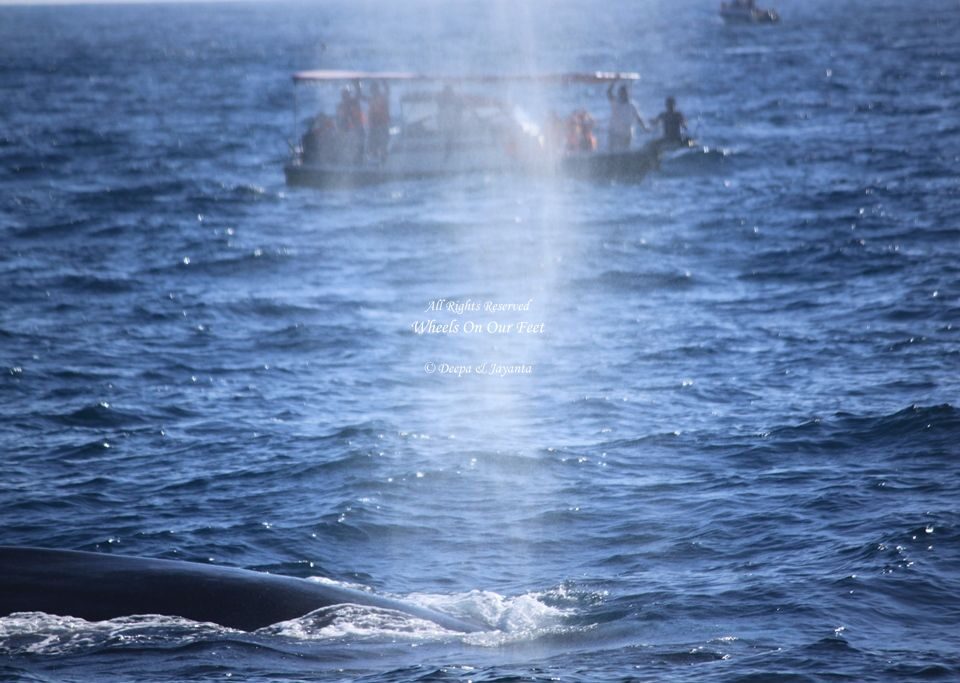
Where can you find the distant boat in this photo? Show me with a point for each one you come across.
(485, 134)
(746, 12)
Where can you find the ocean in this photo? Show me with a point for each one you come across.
(724, 446)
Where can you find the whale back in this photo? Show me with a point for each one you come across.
(98, 586)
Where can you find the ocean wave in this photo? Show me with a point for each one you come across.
(99, 416)
(636, 281)
(95, 284)
(126, 197)
(928, 429)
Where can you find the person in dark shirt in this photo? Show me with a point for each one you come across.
(673, 122)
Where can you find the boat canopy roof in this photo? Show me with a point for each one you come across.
(334, 76)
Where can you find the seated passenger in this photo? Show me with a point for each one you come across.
(579, 132)
(673, 122)
(317, 142)
(588, 141)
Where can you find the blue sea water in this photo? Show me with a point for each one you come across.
(734, 457)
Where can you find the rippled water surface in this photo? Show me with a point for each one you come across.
(734, 458)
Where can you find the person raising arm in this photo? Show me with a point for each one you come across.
(623, 114)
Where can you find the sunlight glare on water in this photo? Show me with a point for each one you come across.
(730, 459)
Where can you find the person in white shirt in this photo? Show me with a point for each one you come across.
(623, 114)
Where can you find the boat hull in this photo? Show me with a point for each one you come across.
(631, 165)
(318, 175)
(754, 16)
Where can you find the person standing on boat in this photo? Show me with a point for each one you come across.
(674, 123)
(623, 114)
(350, 122)
(378, 120)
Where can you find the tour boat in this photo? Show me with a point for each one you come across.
(439, 126)
(745, 12)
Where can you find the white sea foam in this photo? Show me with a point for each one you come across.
(357, 622)
(503, 619)
(37, 633)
